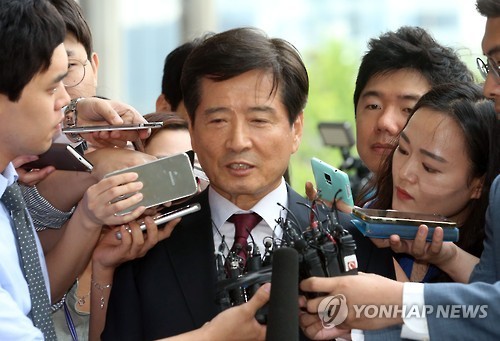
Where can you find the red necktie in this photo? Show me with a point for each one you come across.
(244, 223)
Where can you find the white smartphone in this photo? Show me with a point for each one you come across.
(91, 129)
(63, 157)
(166, 179)
(168, 216)
(174, 214)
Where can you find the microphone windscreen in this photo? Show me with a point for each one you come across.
(283, 316)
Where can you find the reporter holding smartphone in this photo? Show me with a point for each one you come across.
(483, 277)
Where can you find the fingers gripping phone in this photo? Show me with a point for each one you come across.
(331, 182)
(166, 179)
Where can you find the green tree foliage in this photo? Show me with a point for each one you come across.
(332, 75)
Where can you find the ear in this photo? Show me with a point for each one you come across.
(94, 63)
(297, 129)
(162, 104)
(477, 187)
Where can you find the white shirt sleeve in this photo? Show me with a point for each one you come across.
(415, 324)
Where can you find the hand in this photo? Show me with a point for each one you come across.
(312, 194)
(313, 328)
(238, 323)
(436, 252)
(110, 252)
(30, 178)
(97, 208)
(362, 289)
(106, 160)
(97, 111)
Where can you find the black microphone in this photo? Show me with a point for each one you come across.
(283, 317)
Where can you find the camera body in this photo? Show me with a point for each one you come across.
(325, 249)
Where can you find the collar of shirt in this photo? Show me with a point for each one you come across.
(7, 177)
(221, 209)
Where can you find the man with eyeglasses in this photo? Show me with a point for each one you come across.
(483, 289)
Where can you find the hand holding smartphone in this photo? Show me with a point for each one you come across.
(166, 179)
(375, 223)
(92, 129)
(63, 157)
(331, 182)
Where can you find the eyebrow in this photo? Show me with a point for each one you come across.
(60, 77)
(263, 108)
(404, 96)
(423, 151)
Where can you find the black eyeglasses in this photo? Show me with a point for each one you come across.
(76, 73)
(485, 68)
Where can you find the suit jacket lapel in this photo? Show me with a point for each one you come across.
(301, 212)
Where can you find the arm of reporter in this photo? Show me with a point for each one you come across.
(237, 323)
(67, 259)
(109, 253)
(363, 289)
(450, 258)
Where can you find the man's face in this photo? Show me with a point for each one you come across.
(382, 111)
(29, 124)
(243, 137)
(491, 49)
(81, 70)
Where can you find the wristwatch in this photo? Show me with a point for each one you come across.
(71, 119)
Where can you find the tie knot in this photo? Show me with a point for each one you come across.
(13, 197)
(244, 222)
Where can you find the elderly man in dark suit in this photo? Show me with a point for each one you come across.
(245, 94)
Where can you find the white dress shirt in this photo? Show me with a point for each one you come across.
(221, 209)
(15, 302)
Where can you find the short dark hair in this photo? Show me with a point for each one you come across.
(476, 117)
(30, 30)
(488, 8)
(410, 48)
(76, 24)
(172, 71)
(231, 53)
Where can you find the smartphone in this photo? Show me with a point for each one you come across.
(173, 214)
(63, 157)
(166, 179)
(91, 129)
(168, 216)
(331, 182)
(383, 223)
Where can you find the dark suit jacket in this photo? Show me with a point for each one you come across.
(172, 289)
